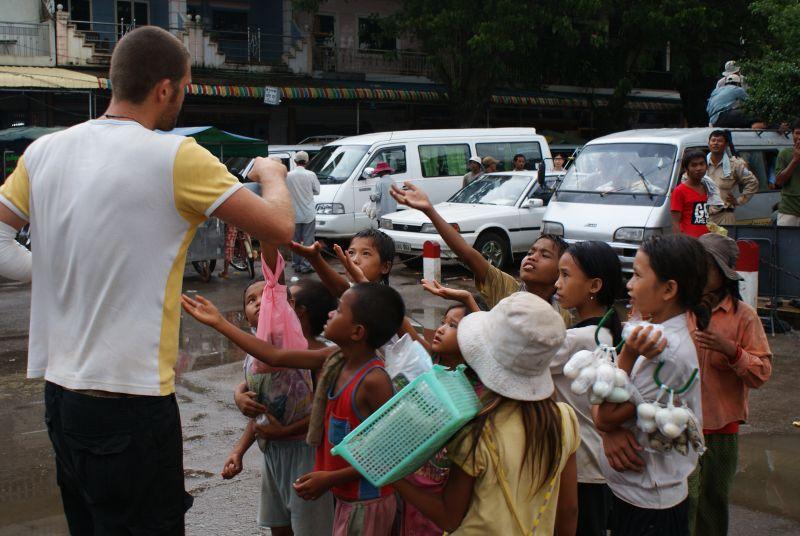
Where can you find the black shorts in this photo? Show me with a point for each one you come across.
(630, 520)
(119, 462)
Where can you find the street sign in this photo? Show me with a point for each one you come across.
(272, 95)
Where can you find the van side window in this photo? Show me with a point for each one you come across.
(762, 164)
(505, 151)
(394, 156)
(443, 160)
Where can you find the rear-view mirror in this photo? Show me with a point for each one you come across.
(533, 202)
(367, 173)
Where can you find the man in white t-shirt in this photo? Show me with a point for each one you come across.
(303, 185)
(113, 206)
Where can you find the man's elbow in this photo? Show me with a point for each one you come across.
(284, 231)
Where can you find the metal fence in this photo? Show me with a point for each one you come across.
(25, 39)
(353, 60)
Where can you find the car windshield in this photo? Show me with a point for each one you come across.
(493, 189)
(335, 163)
(621, 168)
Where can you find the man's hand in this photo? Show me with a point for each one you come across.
(273, 430)
(640, 342)
(232, 465)
(355, 273)
(622, 450)
(796, 150)
(202, 310)
(411, 197)
(731, 200)
(313, 485)
(246, 402)
(314, 250)
(266, 170)
(708, 340)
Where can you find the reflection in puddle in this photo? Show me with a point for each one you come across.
(768, 475)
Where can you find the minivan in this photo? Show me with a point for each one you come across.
(434, 160)
(618, 189)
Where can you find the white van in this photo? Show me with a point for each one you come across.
(618, 188)
(434, 160)
(286, 153)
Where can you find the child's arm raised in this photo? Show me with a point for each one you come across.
(446, 509)
(413, 197)
(336, 284)
(205, 312)
(463, 296)
(233, 463)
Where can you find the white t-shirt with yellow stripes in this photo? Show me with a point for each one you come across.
(113, 207)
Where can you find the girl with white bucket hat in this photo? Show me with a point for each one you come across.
(513, 468)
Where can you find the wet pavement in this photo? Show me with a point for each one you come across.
(766, 494)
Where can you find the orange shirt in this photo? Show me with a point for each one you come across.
(725, 382)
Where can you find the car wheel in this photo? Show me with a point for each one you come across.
(413, 262)
(494, 248)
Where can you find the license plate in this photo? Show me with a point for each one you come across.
(402, 246)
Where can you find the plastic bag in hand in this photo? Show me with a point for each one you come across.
(405, 360)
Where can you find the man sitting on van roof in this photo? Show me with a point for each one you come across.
(728, 172)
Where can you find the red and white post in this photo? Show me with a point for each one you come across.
(747, 266)
(432, 261)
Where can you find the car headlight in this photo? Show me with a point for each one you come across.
(385, 223)
(635, 234)
(330, 208)
(430, 229)
(552, 228)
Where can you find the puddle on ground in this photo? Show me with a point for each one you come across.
(769, 474)
(203, 347)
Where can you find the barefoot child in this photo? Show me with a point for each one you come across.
(538, 271)
(286, 396)
(734, 357)
(589, 282)
(367, 316)
(513, 466)
(669, 274)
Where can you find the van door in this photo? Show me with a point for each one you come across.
(442, 169)
(395, 156)
(762, 207)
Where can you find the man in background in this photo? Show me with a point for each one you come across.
(303, 185)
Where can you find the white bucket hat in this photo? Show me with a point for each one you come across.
(476, 159)
(511, 346)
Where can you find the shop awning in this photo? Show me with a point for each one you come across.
(46, 78)
(407, 95)
(223, 143)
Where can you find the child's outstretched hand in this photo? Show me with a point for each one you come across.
(232, 466)
(307, 252)
(412, 196)
(459, 295)
(312, 485)
(202, 310)
(353, 272)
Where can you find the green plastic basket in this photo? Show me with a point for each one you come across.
(411, 426)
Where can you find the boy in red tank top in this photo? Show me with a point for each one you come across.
(367, 317)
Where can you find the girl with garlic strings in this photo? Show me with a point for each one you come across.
(590, 280)
(663, 416)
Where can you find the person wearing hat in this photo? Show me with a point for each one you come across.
(385, 203)
(303, 185)
(475, 170)
(731, 67)
(724, 106)
(514, 465)
(490, 164)
(734, 357)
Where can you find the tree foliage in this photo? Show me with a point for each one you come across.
(773, 72)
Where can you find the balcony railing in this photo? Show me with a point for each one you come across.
(103, 35)
(352, 60)
(25, 39)
(252, 47)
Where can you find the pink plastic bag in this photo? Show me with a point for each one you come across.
(277, 322)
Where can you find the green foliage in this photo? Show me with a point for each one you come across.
(773, 73)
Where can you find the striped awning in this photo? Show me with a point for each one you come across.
(45, 78)
(402, 95)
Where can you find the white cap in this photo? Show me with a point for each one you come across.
(476, 159)
(301, 156)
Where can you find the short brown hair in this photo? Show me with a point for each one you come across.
(144, 57)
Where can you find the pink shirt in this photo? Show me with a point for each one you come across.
(726, 382)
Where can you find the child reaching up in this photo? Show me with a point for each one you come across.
(538, 271)
(734, 357)
(513, 469)
(669, 274)
(590, 280)
(367, 317)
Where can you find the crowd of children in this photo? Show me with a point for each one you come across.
(538, 458)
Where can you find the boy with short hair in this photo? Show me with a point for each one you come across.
(689, 204)
(367, 317)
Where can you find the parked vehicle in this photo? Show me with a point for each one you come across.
(434, 160)
(618, 188)
(499, 214)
